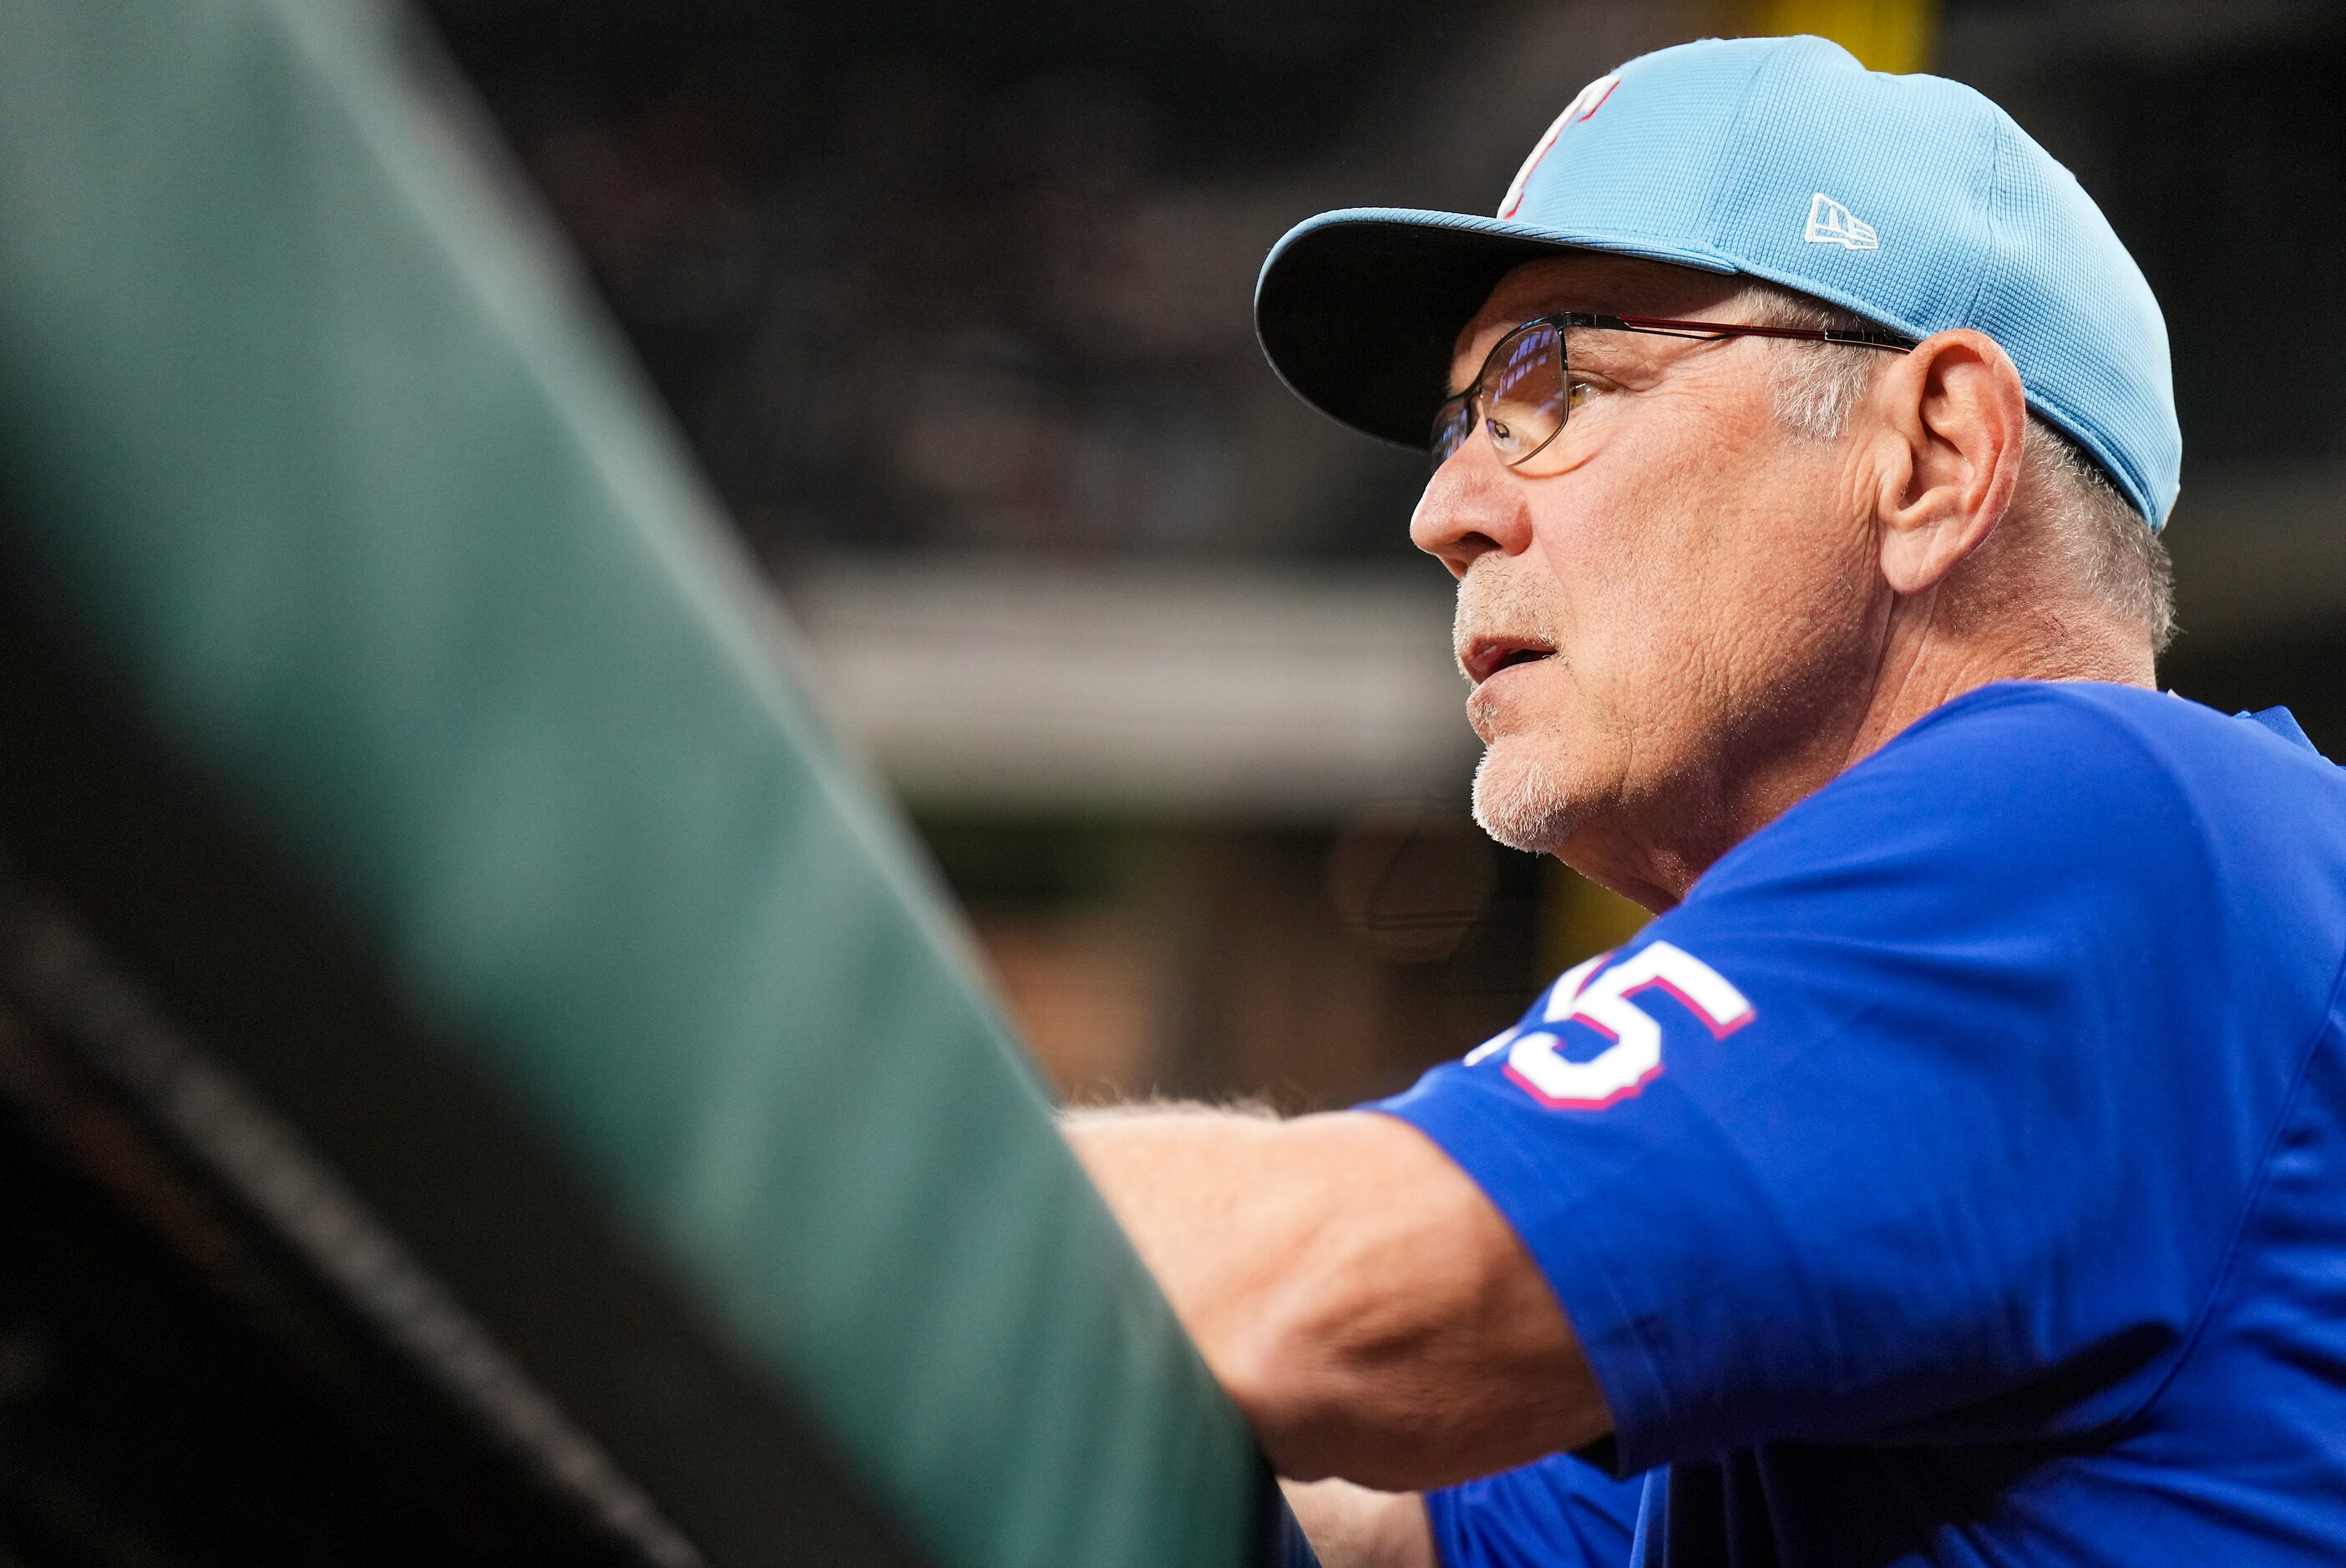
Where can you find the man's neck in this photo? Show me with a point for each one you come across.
(1652, 854)
(1923, 667)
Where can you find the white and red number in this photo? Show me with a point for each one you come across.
(1607, 1004)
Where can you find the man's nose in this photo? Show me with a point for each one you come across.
(1471, 506)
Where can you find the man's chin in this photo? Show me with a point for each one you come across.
(1524, 802)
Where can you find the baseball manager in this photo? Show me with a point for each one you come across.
(1954, 1173)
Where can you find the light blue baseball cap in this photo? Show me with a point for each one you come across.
(1912, 201)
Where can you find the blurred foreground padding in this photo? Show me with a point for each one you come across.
(392, 721)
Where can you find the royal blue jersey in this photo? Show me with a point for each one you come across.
(1958, 1175)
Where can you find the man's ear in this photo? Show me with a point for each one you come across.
(1953, 420)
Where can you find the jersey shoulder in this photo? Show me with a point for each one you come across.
(2127, 724)
(2030, 778)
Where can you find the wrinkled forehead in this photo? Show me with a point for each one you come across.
(1587, 281)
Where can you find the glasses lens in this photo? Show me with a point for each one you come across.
(1452, 423)
(1523, 401)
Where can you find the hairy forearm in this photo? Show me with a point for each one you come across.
(1368, 1310)
(1196, 1188)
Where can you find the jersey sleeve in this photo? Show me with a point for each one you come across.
(1560, 1513)
(1916, 1120)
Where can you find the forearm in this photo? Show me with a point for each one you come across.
(1198, 1192)
(1368, 1311)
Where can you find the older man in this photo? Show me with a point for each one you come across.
(1955, 1171)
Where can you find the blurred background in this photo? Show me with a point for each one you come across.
(952, 301)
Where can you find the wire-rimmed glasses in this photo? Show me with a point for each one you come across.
(1522, 394)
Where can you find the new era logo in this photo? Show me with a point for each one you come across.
(1831, 223)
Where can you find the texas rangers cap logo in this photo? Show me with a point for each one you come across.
(1584, 103)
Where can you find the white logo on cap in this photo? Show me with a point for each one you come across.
(1584, 104)
(1831, 223)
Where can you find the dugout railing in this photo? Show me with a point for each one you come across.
(451, 987)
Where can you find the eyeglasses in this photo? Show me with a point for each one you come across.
(1525, 391)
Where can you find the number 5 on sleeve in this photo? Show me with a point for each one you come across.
(1607, 1004)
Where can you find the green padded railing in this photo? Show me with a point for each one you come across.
(314, 439)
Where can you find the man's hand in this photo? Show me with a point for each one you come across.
(1352, 1527)
(1367, 1309)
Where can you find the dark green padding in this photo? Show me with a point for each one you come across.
(318, 442)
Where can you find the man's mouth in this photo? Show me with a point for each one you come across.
(1486, 656)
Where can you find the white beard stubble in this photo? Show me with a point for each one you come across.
(1521, 796)
(1524, 806)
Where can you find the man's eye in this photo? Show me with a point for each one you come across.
(1578, 392)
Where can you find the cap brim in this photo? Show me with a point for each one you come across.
(1360, 310)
